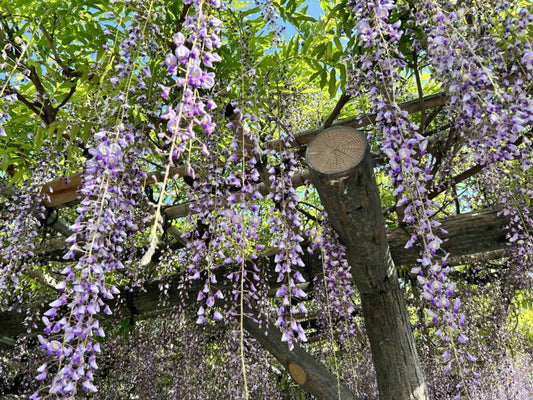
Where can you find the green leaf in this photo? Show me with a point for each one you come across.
(332, 86)
(319, 50)
(38, 139)
(338, 43)
(74, 132)
(314, 76)
(323, 78)
(329, 51)
(342, 73)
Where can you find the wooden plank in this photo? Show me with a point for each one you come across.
(302, 367)
(63, 191)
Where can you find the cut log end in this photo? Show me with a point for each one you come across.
(336, 150)
(297, 373)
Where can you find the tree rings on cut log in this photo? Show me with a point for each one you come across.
(336, 150)
(297, 373)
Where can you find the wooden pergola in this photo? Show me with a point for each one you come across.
(341, 169)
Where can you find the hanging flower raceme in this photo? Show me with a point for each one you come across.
(102, 235)
(106, 219)
(379, 74)
(489, 85)
(194, 54)
(338, 281)
(288, 237)
(513, 203)
(190, 64)
(20, 222)
(487, 80)
(226, 236)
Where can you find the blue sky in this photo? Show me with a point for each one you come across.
(314, 10)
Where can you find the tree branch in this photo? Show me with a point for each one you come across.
(345, 98)
(67, 71)
(67, 98)
(36, 107)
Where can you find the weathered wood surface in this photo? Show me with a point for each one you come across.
(342, 172)
(302, 367)
(471, 233)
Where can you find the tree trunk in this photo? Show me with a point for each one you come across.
(342, 172)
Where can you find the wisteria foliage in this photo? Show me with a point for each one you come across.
(184, 119)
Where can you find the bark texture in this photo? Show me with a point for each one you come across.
(302, 367)
(350, 196)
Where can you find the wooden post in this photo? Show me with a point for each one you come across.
(342, 172)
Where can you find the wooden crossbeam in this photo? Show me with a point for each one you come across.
(468, 234)
(63, 191)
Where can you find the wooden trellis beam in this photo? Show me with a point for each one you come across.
(468, 234)
(302, 367)
(64, 190)
(411, 106)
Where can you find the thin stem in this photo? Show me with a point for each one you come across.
(330, 323)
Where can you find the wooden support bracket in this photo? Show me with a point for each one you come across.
(303, 368)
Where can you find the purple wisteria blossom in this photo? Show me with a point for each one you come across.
(378, 75)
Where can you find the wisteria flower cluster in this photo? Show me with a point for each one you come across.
(21, 223)
(106, 219)
(225, 235)
(189, 64)
(490, 107)
(338, 282)
(289, 238)
(238, 179)
(380, 69)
